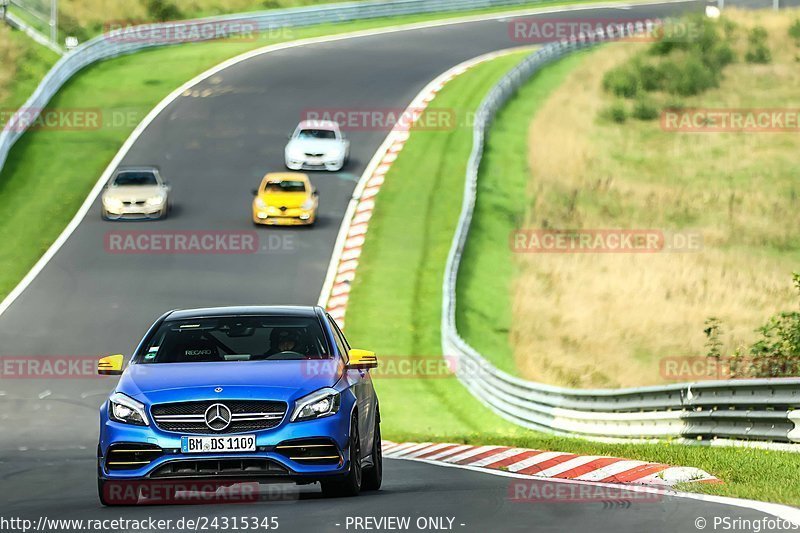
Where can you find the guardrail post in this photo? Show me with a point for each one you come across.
(3, 9)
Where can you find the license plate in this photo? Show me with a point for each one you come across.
(238, 443)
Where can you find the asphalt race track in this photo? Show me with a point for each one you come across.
(214, 145)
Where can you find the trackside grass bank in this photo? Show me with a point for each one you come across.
(51, 172)
(395, 302)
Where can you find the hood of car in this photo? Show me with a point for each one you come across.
(315, 146)
(273, 380)
(285, 199)
(133, 193)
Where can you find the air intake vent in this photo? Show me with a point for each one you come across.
(310, 451)
(122, 456)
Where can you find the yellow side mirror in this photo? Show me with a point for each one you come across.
(362, 359)
(111, 365)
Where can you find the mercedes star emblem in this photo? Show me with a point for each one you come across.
(218, 417)
(218, 389)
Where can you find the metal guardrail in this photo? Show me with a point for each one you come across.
(756, 409)
(113, 44)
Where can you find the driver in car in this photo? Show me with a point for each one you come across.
(283, 340)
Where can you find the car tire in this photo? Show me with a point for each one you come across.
(373, 476)
(349, 485)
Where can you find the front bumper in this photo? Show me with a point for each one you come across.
(333, 429)
(330, 165)
(134, 213)
(295, 217)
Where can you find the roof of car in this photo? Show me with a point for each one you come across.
(319, 124)
(245, 310)
(286, 176)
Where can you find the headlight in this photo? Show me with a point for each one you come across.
(127, 410)
(319, 404)
(155, 200)
(261, 204)
(308, 204)
(112, 203)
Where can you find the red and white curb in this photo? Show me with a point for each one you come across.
(352, 234)
(551, 465)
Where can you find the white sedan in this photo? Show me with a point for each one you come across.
(317, 145)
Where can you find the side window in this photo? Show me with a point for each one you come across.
(337, 338)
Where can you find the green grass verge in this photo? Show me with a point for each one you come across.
(44, 163)
(487, 269)
(395, 302)
(24, 64)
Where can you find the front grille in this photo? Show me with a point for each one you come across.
(123, 456)
(138, 202)
(246, 415)
(219, 468)
(310, 451)
(315, 154)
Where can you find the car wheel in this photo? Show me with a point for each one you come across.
(350, 485)
(373, 476)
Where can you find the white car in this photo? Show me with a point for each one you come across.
(317, 145)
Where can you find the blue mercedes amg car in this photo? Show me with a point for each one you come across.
(243, 393)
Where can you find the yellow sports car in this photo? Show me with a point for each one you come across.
(285, 199)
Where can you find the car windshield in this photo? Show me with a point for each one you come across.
(285, 186)
(141, 178)
(316, 134)
(253, 338)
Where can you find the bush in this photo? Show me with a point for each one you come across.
(644, 109)
(162, 10)
(794, 31)
(616, 112)
(651, 77)
(758, 53)
(690, 78)
(622, 81)
(775, 354)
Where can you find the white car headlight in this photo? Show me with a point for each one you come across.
(319, 404)
(112, 203)
(155, 200)
(308, 204)
(261, 204)
(125, 409)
